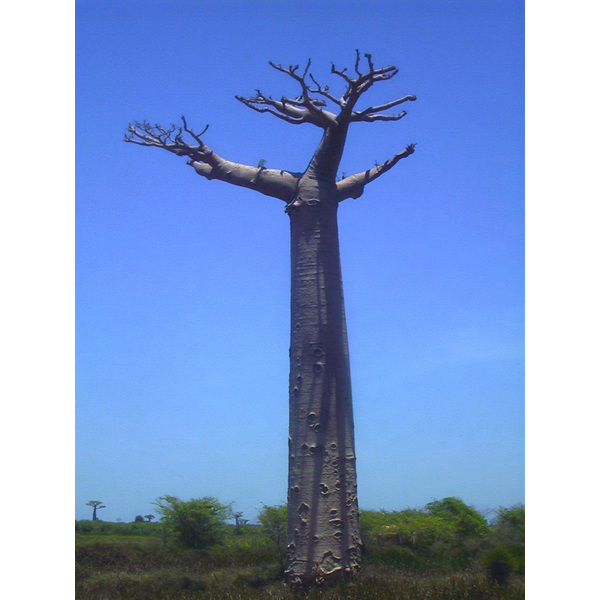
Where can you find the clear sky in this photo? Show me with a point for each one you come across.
(182, 285)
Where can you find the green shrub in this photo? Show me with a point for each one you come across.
(273, 521)
(509, 524)
(196, 523)
(464, 520)
(415, 529)
(499, 564)
(508, 531)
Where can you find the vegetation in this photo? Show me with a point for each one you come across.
(196, 523)
(273, 521)
(445, 551)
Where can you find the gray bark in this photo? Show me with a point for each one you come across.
(323, 533)
(323, 528)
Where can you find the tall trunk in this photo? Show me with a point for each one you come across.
(323, 533)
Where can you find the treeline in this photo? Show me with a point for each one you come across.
(446, 544)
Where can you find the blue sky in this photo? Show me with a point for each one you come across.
(182, 285)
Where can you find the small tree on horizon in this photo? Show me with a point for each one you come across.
(96, 505)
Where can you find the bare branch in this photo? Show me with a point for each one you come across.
(306, 108)
(288, 114)
(370, 118)
(353, 186)
(323, 118)
(356, 87)
(324, 91)
(294, 108)
(145, 134)
(195, 136)
(342, 74)
(300, 102)
(271, 182)
(356, 63)
(386, 106)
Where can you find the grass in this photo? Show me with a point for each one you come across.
(137, 562)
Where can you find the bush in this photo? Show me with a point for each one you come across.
(197, 523)
(412, 528)
(498, 563)
(465, 521)
(139, 519)
(509, 524)
(273, 521)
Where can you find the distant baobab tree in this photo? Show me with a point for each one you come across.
(96, 505)
(238, 519)
(149, 517)
(323, 533)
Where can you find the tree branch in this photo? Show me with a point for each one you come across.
(324, 91)
(305, 108)
(282, 114)
(292, 111)
(353, 186)
(156, 136)
(356, 117)
(368, 112)
(356, 87)
(323, 118)
(271, 182)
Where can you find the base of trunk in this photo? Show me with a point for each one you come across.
(320, 578)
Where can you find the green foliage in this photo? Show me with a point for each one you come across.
(464, 520)
(510, 523)
(273, 521)
(446, 533)
(196, 523)
(508, 532)
(499, 563)
(413, 528)
(120, 529)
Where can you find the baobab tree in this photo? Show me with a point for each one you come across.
(323, 532)
(96, 505)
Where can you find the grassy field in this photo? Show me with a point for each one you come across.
(409, 555)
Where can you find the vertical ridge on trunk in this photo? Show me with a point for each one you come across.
(323, 533)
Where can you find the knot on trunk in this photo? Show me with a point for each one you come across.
(295, 204)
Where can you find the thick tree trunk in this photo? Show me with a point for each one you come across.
(323, 533)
